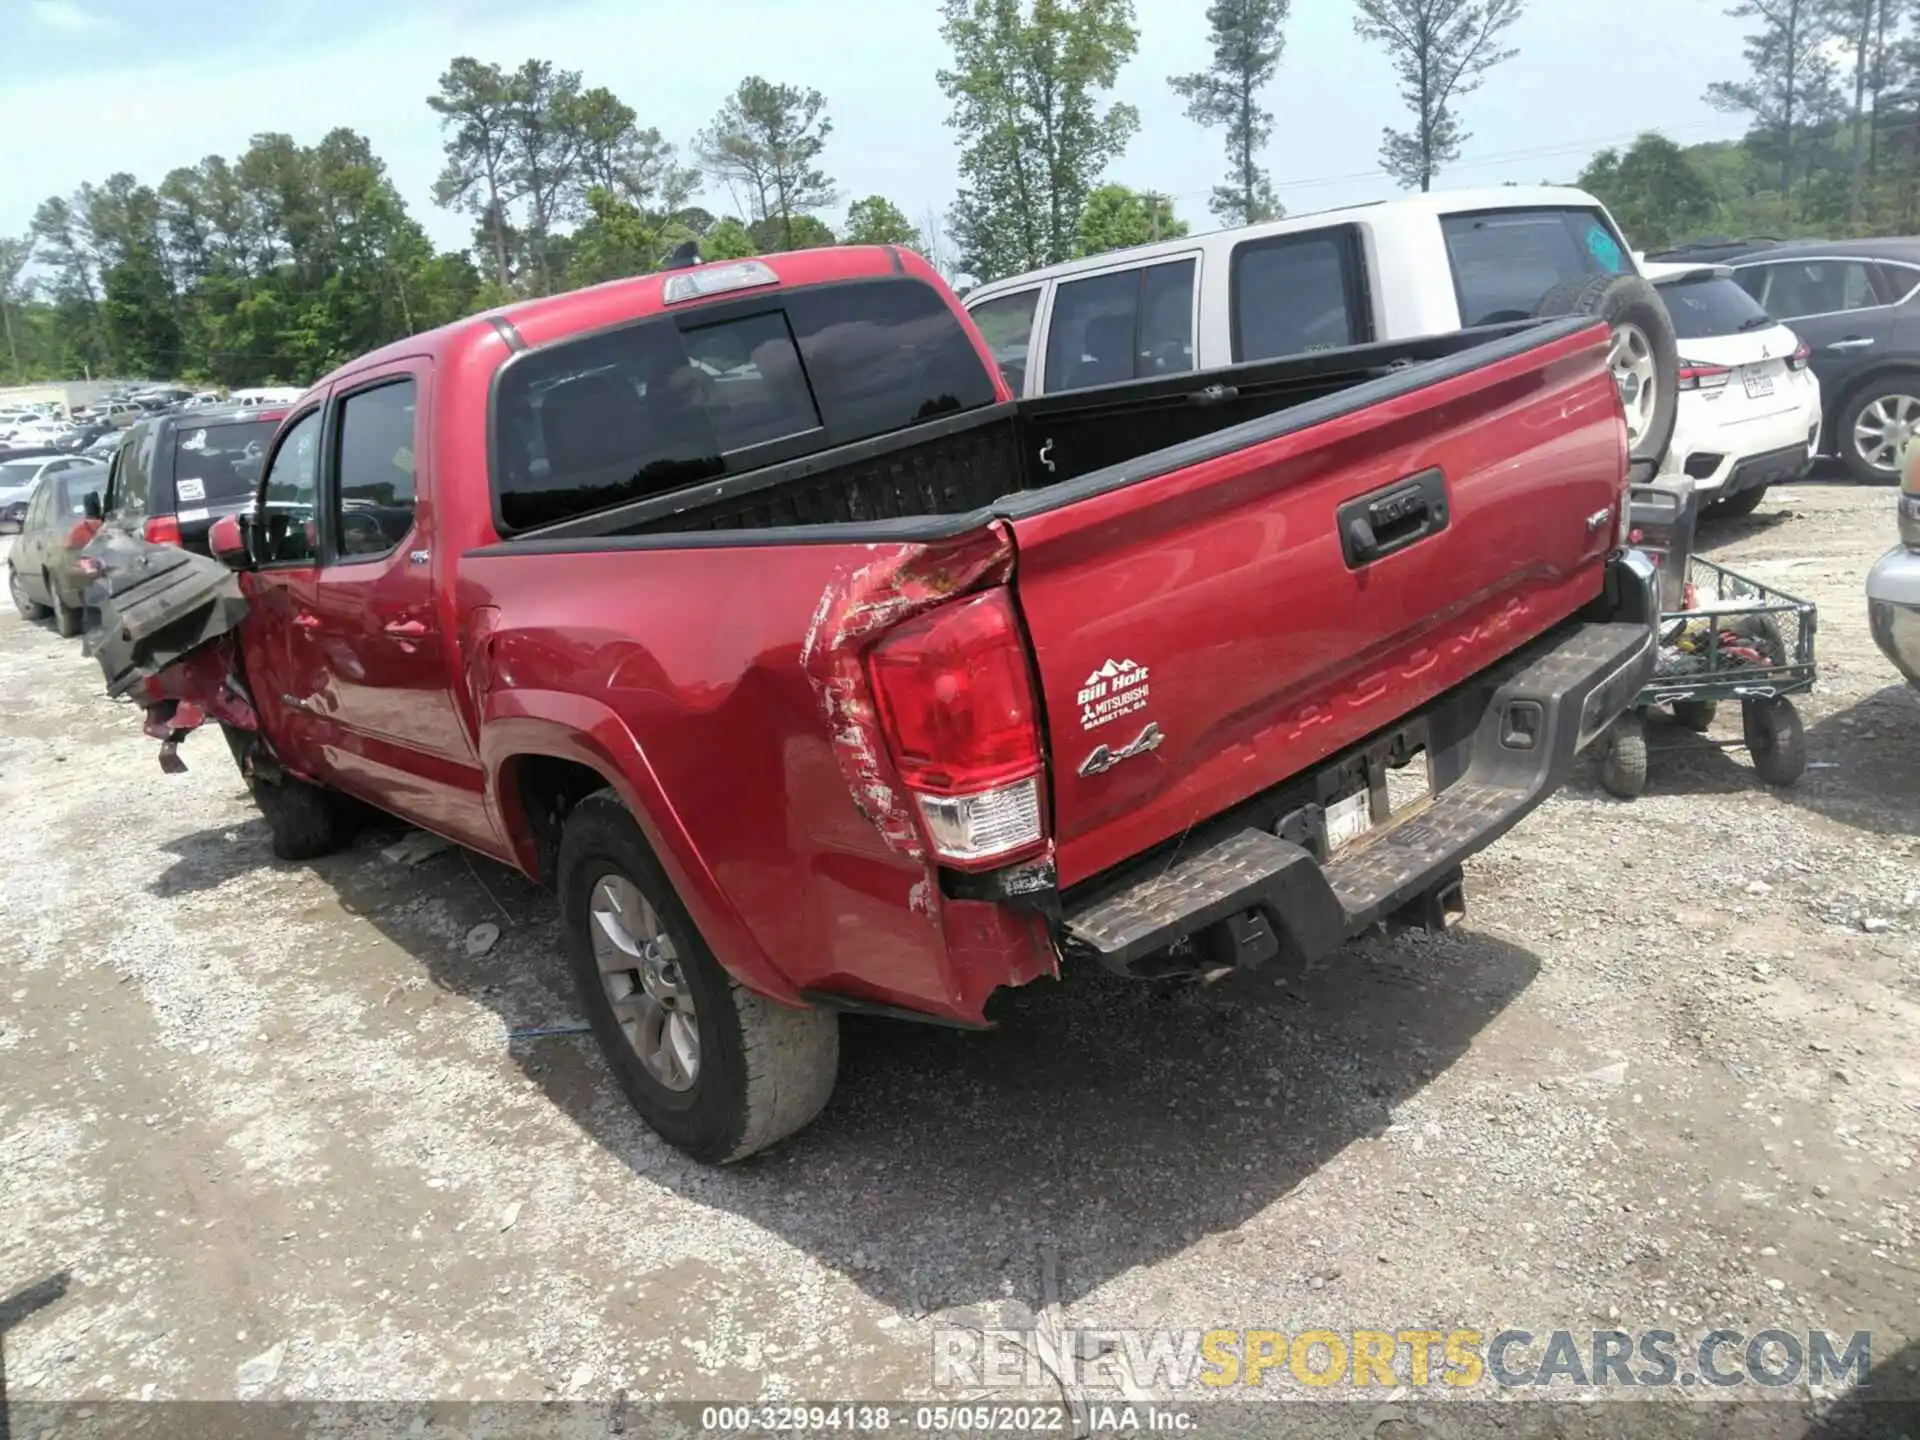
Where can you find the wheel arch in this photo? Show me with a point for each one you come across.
(1848, 393)
(544, 751)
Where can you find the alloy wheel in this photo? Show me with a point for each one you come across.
(644, 983)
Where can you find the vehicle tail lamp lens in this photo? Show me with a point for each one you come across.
(1697, 375)
(81, 533)
(162, 530)
(1800, 358)
(717, 280)
(955, 699)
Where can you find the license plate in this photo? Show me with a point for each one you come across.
(1758, 381)
(1349, 819)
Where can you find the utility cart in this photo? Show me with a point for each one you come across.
(1722, 637)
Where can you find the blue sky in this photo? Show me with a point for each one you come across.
(94, 86)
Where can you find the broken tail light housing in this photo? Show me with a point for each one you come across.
(1698, 375)
(162, 530)
(1800, 358)
(956, 701)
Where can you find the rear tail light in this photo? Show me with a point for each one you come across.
(1697, 375)
(162, 530)
(955, 699)
(81, 533)
(1800, 358)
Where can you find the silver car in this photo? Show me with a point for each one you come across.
(1893, 585)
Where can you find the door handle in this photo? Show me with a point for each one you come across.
(307, 620)
(405, 629)
(1404, 513)
(1853, 342)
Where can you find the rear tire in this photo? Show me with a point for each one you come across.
(1775, 739)
(29, 608)
(1737, 507)
(1623, 768)
(65, 621)
(759, 1071)
(1645, 354)
(1887, 399)
(1695, 715)
(306, 821)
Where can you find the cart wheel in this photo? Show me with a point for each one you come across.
(1623, 768)
(1695, 715)
(1775, 739)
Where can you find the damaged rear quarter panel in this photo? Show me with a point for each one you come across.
(737, 673)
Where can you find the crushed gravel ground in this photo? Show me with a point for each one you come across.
(267, 1126)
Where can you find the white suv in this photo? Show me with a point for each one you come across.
(1423, 265)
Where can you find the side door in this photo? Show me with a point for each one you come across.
(1840, 307)
(388, 652)
(279, 589)
(30, 558)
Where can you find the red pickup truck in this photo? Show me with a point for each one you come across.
(745, 607)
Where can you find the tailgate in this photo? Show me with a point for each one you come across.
(1277, 591)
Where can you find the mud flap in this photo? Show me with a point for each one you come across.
(164, 638)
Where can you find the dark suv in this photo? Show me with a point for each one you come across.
(1856, 304)
(174, 475)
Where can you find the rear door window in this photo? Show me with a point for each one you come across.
(1705, 308)
(1797, 289)
(1128, 325)
(1006, 324)
(1295, 294)
(1506, 261)
(608, 419)
(218, 464)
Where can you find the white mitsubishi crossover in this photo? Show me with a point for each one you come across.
(1749, 412)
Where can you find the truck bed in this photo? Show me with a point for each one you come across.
(952, 469)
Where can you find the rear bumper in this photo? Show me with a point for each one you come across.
(1497, 747)
(1893, 609)
(1776, 467)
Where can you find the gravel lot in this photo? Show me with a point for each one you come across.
(268, 1122)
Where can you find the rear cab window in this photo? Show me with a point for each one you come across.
(1506, 261)
(1297, 294)
(1706, 307)
(216, 464)
(712, 390)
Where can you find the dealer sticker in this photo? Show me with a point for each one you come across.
(192, 489)
(1117, 688)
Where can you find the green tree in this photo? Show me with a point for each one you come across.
(1790, 93)
(1248, 37)
(1441, 50)
(475, 104)
(14, 255)
(765, 145)
(1115, 218)
(727, 240)
(802, 232)
(614, 242)
(1653, 190)
(876, 220)
(1026, 85)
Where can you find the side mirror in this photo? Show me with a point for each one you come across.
(92, 505)
(228, 542)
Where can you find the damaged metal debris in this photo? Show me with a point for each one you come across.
(159, 620)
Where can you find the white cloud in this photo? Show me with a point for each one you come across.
(64, 17)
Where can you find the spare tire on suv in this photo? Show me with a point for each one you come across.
(1645, 356)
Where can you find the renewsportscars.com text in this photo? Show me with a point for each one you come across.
(1387, 1359)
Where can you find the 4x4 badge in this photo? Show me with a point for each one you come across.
(1104, 759)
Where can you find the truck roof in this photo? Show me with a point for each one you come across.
(1439, 202)
(536, 322)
